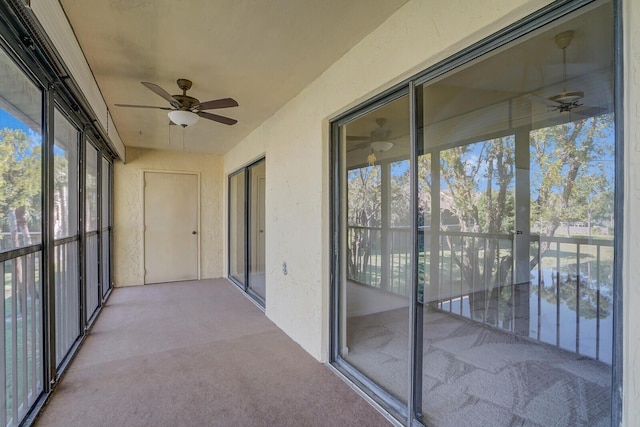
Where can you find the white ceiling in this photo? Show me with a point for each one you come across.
(261, 53)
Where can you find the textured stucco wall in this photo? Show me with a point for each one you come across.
(128, 230)
(631, 254)
(295, 142)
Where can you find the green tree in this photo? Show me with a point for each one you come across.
(479, 180)
(20, 205)
(364, 203)
(569, 180)
(20, 183)
(400, 194)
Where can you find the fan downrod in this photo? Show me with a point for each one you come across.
(186, 102)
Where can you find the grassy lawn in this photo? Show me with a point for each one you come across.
(566, 258)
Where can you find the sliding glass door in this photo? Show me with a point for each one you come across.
(92, 273)
(67, 234)
(21, 243)
(105, 225)
(375, 246)
(51, 261)
(247, 230)
(256, 229)
(475, 219)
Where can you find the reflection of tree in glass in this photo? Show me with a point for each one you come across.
(424, 189)
(92, 200)
(61, 194)
(590, 296)
(400, 195)
(364, 201)
(478, 179)
(571, 175)
(572, 182)
(20, 180)
(20, 205)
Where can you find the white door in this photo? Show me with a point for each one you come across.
(171, 236)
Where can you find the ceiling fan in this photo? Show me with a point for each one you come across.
(565, 101)
(185, 110)
(378, 139)
(568, 101)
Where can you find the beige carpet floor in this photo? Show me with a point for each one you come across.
(477, 375)
(197, 354)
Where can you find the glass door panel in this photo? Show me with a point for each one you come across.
(21, 219)
(92, 296)
(236, 227)
(516, 202)
(257, 228)
(376, 244)
(66, 253)
(105, 219)
(247, 229)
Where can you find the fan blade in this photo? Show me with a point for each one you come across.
(360, 146)
(142, 106)
(217, 118)
(163, 93)
(587, 111)
(358, 138)
(541, 100)
(216, 103)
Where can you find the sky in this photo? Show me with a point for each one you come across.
(605, 166)
(8, 121)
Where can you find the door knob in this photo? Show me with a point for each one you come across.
(193, 232)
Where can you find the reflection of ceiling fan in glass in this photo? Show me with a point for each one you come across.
(568, 101)
(565, 101)
(379, 140)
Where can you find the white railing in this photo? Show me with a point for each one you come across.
(567, 302)
(91, 284)
(67, 297)
(21, 336)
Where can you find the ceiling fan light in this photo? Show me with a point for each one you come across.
(567, 97)
(183, 118)
(381, 145)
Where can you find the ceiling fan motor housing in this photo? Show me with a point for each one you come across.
(186, 101)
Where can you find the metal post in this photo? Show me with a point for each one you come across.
(246, 229)
(385, 223)
(82, 264)
(618, 324)
(48, 268)
(578, 298)
(415, 305)
(99, 190)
